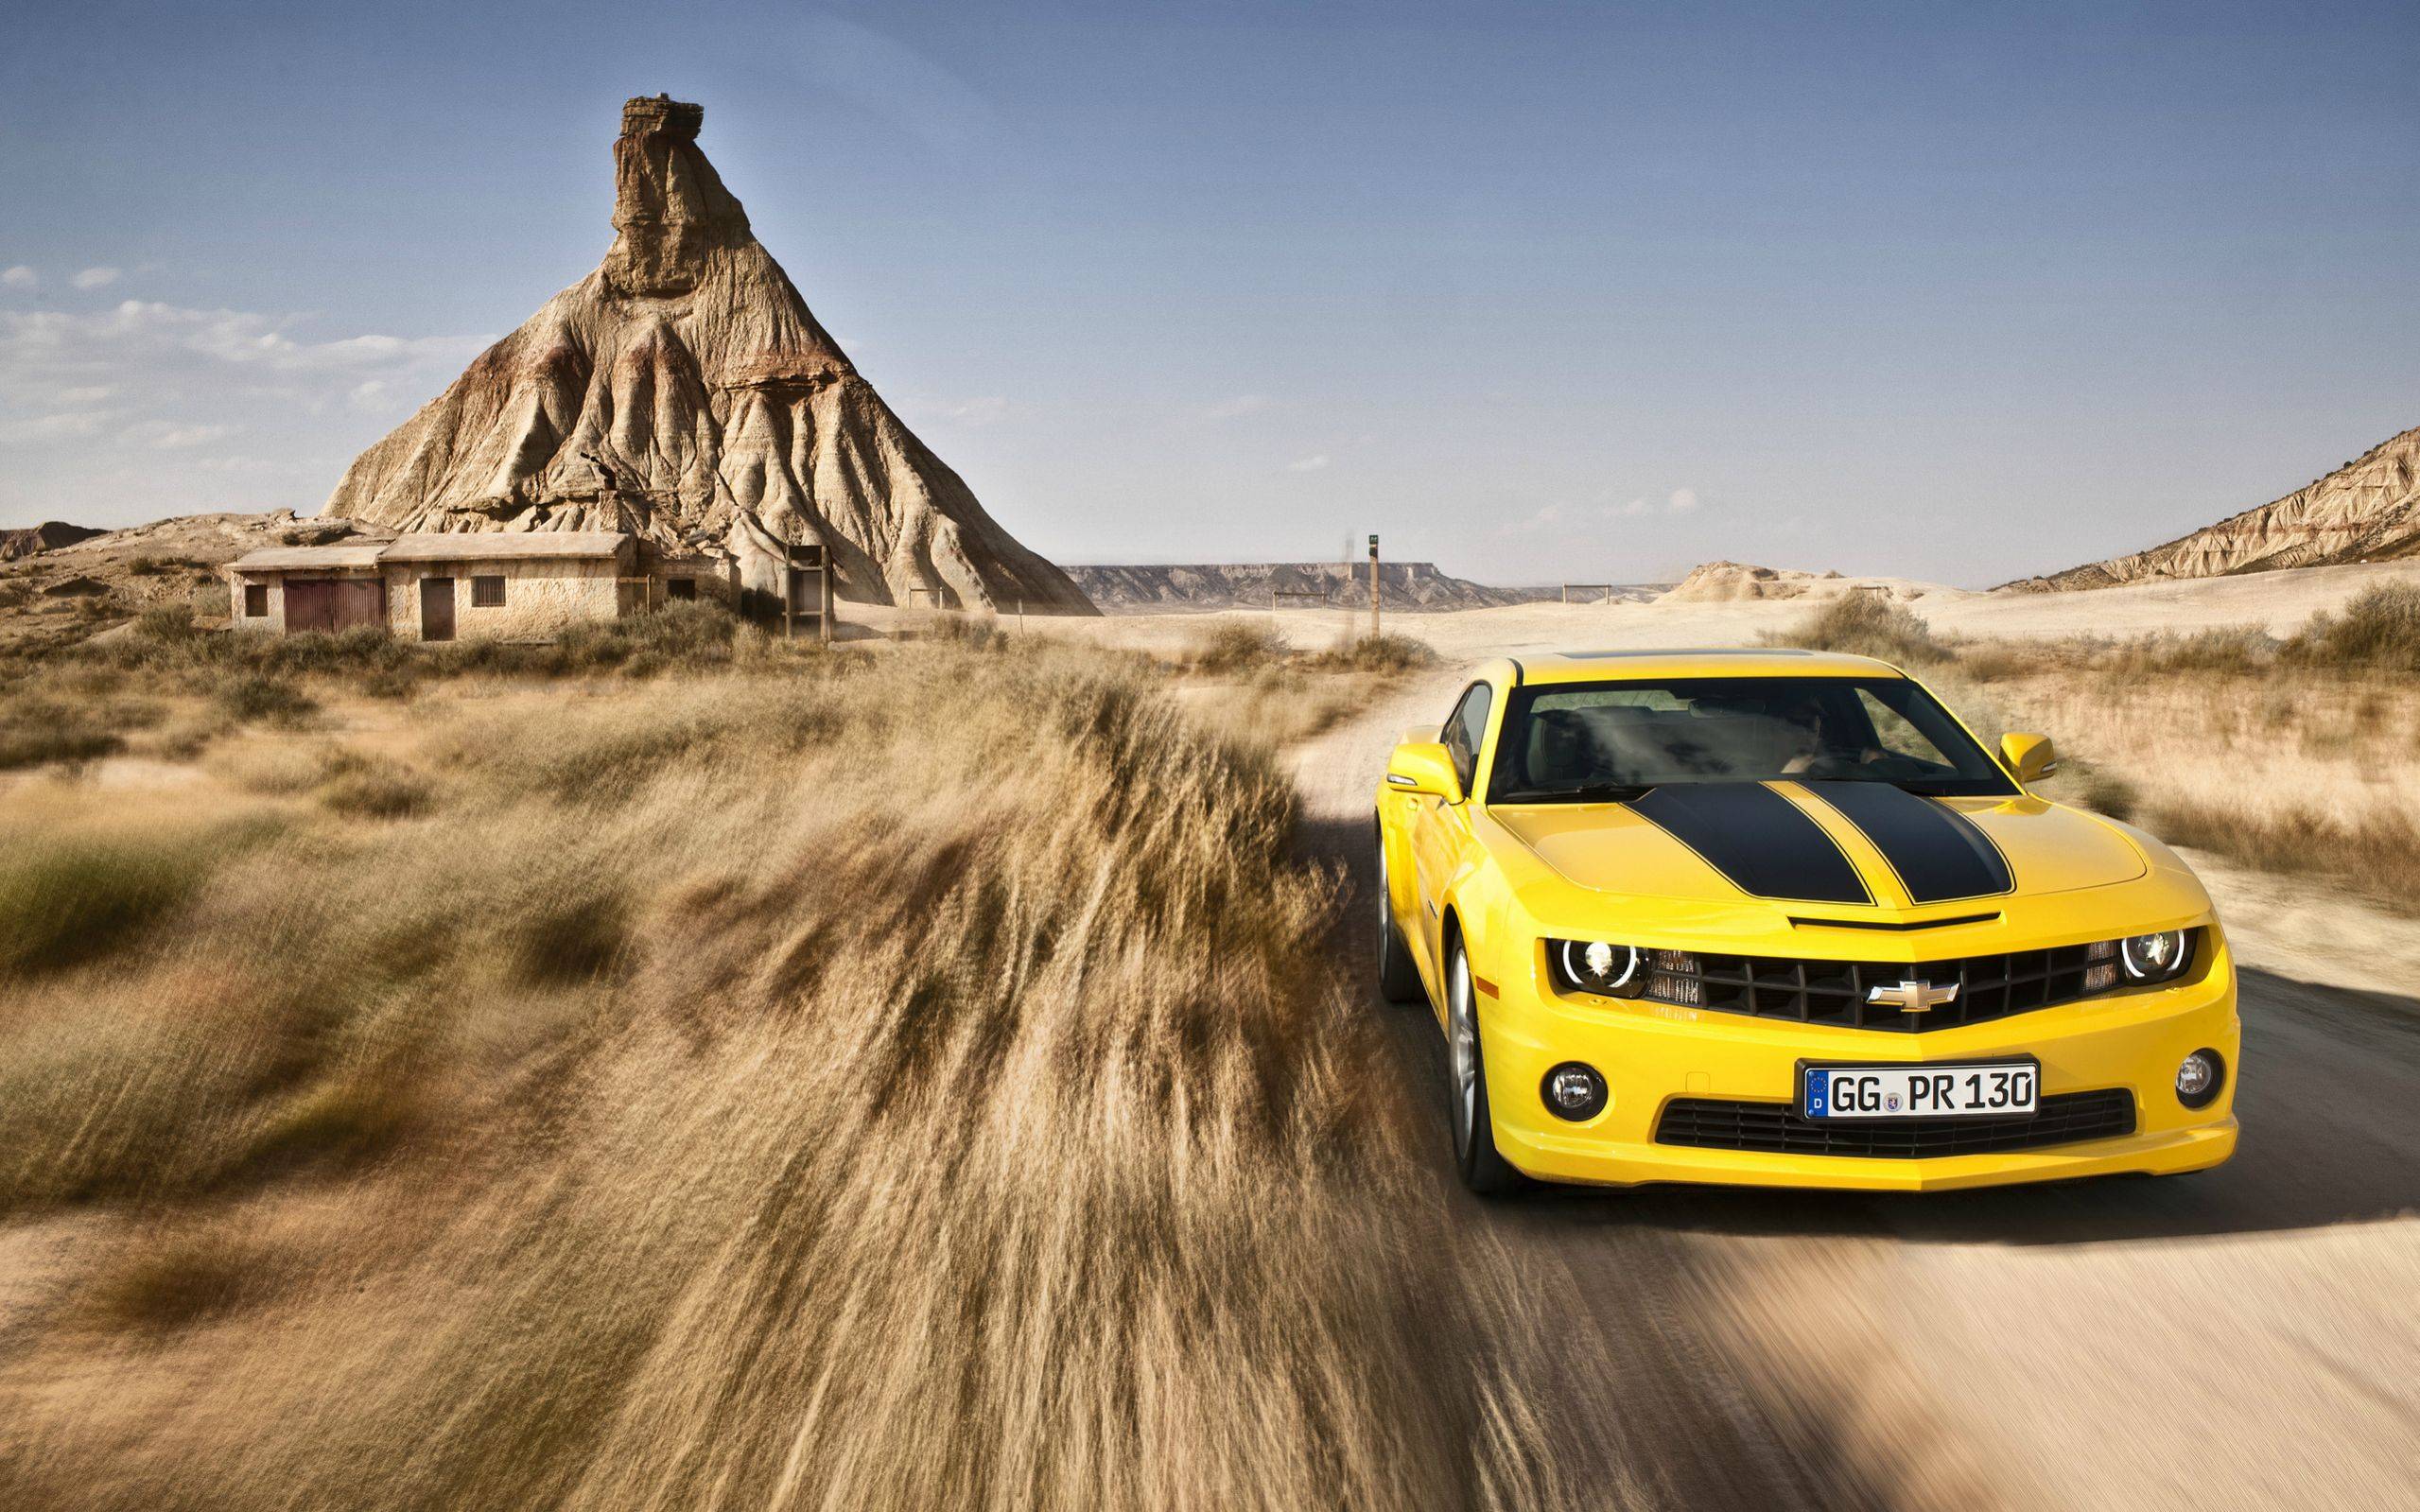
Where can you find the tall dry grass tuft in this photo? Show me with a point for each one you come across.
(2379, 630)
(1867, 624)
(905, 1084)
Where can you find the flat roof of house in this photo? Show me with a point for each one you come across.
(499, 545)
(471, 546)
(303, 558)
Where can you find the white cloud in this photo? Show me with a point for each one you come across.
(126, 413)
(74, 422)
(19, 277)
(1237, 407)
(168, 436)
(1308, 464)
(1577, 519)
(95, 278)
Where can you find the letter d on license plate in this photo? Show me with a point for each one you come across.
(1996, 1089)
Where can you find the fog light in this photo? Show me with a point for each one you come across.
(2199, 1078)
(1575, 1092)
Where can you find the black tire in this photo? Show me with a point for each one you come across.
(1473, 1124)
(1399, 978)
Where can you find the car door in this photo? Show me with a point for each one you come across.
(1440, 830)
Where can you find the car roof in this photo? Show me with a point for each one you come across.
(1646, 663)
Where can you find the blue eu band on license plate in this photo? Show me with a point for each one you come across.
(1999, 1090)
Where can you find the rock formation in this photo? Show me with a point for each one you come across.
(683, 392)
(1732, 582)
(2366, 510)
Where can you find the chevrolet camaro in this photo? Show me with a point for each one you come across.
(1778, 917)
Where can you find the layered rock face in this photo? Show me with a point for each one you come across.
(2366, 510)
(683, 392)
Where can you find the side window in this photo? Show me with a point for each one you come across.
(255, 599)
(1894, 736)
(680, 587)
(487, 593)
(1465, 729)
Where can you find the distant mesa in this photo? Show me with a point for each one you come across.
(684, 392)
(2366, 510)
(1405, 587)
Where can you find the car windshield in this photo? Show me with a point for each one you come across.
(1571, 742)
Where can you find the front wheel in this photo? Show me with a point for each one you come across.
(1399, 979)
(1475, 1159)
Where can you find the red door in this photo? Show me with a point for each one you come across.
(310, 605)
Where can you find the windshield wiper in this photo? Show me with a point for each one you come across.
(1594, 793)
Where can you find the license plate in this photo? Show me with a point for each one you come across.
(2000, 1090)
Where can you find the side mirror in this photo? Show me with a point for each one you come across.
(2030, 757)
(1424, 767)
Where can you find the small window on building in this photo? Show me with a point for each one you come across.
(487, 593)
(255, 601)
(680, 587)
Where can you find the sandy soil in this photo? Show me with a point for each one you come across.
(2279, 602)
(2243, 1338)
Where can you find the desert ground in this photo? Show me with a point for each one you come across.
(682, 1069)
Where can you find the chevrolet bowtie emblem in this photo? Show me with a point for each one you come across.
(1913, 997)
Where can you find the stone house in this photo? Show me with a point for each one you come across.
(495, 585)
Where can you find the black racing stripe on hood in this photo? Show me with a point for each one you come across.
(1939, 854)
(1765, 844)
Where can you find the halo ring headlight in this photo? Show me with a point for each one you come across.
(1601, 968)
(2155, 957)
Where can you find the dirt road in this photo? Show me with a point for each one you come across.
(2249, 1337)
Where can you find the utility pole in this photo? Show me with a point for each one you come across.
(1373, 588)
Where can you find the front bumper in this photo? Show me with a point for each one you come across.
(1650, 1054)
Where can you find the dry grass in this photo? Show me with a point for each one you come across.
(904, 1082)
(1867, 624)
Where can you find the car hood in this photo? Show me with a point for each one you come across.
(1833, 845)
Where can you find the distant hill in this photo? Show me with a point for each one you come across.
(50, 535)
(2366, 510)
(1402, 586)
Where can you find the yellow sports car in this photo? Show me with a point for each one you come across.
(1776, 917)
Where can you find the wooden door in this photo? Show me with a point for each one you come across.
(310, 605)
(360, 601)
(435, 608)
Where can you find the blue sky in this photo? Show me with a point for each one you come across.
(1539, 290)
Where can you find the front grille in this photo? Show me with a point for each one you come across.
(1775, 1128)
(1834, 992)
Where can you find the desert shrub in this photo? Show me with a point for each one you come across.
(247, 696)
(2106, 791)
(2379, 630)
(166, 622)
(1235, 645)
(371, 788)
(1867, 624)
(1383, 653)
(40, 731)
(68, 901)
(167, 1279)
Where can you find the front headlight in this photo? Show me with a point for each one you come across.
(2155, 957)
(1598, 967)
